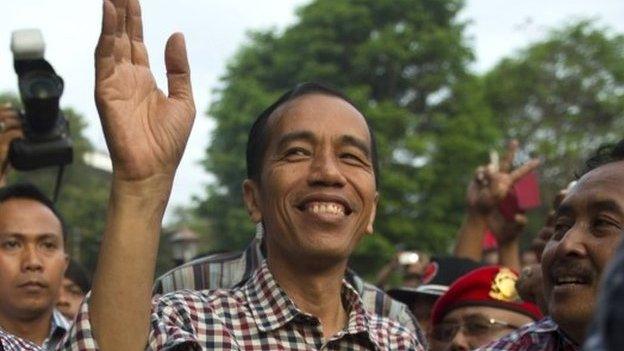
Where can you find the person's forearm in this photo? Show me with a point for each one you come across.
(509, 254)
(121, 297)
(470, 237)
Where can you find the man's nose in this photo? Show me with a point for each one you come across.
(31, 260)
(460, 342)
(573, 241)
(325, 170)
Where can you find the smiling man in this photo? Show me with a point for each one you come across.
(32, 262)
(588, 228)
(311, 182)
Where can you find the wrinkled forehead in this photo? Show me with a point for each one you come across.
(603, 184)
(320, 113)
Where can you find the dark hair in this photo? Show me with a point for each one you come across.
(607, 153)
(78, 275)
(258, 135)
(31, 192)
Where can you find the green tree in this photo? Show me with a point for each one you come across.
(404, 63)
(562, 97)
(84, 192)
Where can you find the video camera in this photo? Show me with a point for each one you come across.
(46, 139)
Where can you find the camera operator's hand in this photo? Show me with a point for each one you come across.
(10, 129)
(146, 130)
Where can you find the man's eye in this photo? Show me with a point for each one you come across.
(560, 229)
(605, 224)
(351, 156)
(477, 328)
(49, 245)
(10, 244)
(297, 152)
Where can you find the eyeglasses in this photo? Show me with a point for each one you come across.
(476, 326)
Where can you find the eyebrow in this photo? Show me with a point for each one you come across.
(606, 205)
(595, 206)
(293, 136)
(41, 236)
(563, 210)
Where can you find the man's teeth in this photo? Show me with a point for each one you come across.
(327, 207)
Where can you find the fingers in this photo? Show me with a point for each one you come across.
(104, 58)
(524, 170)
(120, 8)
(135, 33)
(178, 71)
(506, 163)
(520, 221)
(481, 176)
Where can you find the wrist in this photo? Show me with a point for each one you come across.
(476, 214)
(157, 186)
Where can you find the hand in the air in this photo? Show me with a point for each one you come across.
(146, 130)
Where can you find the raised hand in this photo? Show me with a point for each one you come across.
(491, 183)
(146, 130)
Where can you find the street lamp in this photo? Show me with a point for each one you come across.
(184, 245)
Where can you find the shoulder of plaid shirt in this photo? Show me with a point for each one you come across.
(233, 270)
(227, 270)
(58, 329)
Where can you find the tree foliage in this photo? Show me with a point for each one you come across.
(404, 63)
(562, 97)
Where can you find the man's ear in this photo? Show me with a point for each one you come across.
(371, 220)
(251, 196)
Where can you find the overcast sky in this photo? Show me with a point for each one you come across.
(214, 29)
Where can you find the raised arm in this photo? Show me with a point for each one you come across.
(146, 132)
(487, 189)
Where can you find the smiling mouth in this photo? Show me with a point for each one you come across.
(325, 208)
(571, 280)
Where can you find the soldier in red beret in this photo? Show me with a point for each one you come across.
(480, 307)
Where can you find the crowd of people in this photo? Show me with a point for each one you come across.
(311, 189)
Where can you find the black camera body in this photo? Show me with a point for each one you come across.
(46, 139)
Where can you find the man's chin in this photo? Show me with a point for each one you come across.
(34, 308)
(572, 315)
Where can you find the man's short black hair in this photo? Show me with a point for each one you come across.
(605, 154)
(31, 192)
(258, 135)
(78, 275)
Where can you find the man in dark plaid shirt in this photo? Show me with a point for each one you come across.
(588, 228)
(226, 270)
(312, 176)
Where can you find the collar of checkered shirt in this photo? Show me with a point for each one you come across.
(272, 308)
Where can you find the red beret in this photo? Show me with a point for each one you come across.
(493, 286)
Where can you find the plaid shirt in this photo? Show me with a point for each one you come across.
(255, 316)
(58, 328)
(226, 270)
(543, 335)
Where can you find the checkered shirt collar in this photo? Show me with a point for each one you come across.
(548, 325)
(272, 308)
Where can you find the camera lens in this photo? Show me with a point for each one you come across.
(41, 87)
